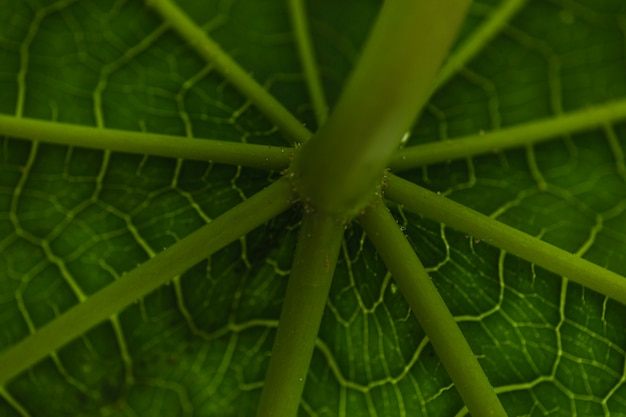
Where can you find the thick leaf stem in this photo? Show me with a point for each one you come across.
(256, 156)
(319, 241)
(303, 38)
(516, 242)
(431, 312)
(382, 98)
(208, 49)
(146, 278)
(524, 134)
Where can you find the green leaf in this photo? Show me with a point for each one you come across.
(73, 220)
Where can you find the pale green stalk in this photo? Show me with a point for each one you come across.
(306, 51)
(432, 313)
(491, 231)
(257, 156)
(524, 134)
(338, 170)
(208, 49)
(312, 271)
(477, 40)
(145, 278)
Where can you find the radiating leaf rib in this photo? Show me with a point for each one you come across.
(493, 232)
(319, 240)
(519, 135)
(431, 312)
(306, 51)
(146, 278)
(208, 49)
(144, 143)
(476, 42)
(6, 395)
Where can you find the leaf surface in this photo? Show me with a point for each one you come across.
(73, 220)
